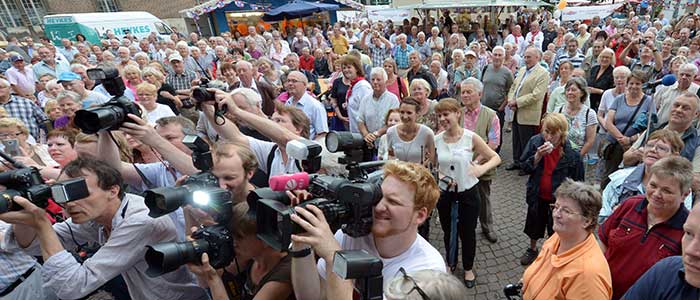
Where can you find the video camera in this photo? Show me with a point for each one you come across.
(364, 268)
(347, 203)
(28, 183)
(202, 191)
(110, 115)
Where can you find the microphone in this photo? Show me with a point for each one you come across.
(667, 80)
(289, 182)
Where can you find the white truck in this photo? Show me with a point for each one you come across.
(94, 26)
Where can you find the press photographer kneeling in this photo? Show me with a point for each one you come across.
(102, 213)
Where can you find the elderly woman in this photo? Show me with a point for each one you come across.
(582, 119)
(13, 130)
(601, 76)
(621, 116)
(457, 62)
(649, 227)
(420, 89)
(456, 149)
(269, 73)
(69, 102)
(549, 159)
(229, 75)
(570, 265)
(52, 110)
(132, 78)
(620, 75)
(42, 86)
(358, 89)
(278, 50)
(557, 92)
(395, 84)
(148, 93)
(632, 181)
(424, 284)
(141, 59)
(166, 93)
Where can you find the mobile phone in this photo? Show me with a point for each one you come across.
(12, 147)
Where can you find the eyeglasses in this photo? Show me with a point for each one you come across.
(292, 80)
(415, 285)
(556, 207)
(6, 135)
(658, 147)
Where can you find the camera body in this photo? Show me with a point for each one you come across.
(28, 183)
(110, 115)
(215, 240)
(346, 205)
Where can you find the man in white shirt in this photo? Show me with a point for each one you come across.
(299, 98)
(409, 194)
(535, 37)
(370, 119)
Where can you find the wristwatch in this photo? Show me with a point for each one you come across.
(298, 254)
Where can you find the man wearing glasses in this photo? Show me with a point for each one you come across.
(409, 194)
(299, 98)
(24, 109)
(665, 96)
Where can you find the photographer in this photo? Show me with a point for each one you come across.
(117, 221)
(166, 138)
(409, 195)
(287, 124)
(265, 271)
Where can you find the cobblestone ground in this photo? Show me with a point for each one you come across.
(498, 264)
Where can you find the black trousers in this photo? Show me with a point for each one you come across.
(468, 213)
(538, 219)
(521, 135)
(501, 120)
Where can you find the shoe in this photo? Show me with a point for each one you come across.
(512, 167)
(470, 284)
(491, 237)
(528, 257)
(522, 173)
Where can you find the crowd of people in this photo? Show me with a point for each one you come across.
(610, 146)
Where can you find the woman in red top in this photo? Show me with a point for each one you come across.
(549, 159)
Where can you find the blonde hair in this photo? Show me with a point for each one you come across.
(420, 178)
(131, 69)
(228, 150)
(147, 88)
(556, 123)
(49, 106)
(154, 72)
(14, 122)
(422, 82)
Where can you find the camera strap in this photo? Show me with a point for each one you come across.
(271, 156)
(146, 181)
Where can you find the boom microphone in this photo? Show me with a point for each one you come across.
(667, 80)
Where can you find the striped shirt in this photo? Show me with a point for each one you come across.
(401, 56)
(28, 112)
(12, 264)
(575, 60)
(181, 81)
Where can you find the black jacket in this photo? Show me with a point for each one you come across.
(570, 165)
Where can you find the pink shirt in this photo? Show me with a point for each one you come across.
(494, 134)
(24, 80)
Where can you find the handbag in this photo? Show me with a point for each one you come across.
(606, 147)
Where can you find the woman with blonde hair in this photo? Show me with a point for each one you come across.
(13, 130)
(147, 94)
(132, 78)
(420, 91)
(166, 93)
(548, 158)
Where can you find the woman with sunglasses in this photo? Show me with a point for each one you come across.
(571, 265)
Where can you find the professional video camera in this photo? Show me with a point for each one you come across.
(110, 115)
(202, 191)
(347, 203)
(362, 267)
(28, 183)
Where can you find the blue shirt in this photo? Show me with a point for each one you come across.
(315, 111)
(665, 280)
(42, 68)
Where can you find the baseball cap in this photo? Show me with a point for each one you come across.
(68, 76)
(16, 57)
(470, 52)
(175, 56)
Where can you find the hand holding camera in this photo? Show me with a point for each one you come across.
(139, 129)
(318, 233)
(29, 214)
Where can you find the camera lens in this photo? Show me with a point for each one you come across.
(164, 200)
(93, 120)
(168, 257)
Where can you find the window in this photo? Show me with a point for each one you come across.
(107, 5)
(162, 28)
(9, 14)
(35, 10)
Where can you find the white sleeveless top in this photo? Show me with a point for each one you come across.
(454, 159)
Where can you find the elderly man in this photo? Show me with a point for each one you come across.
(260, 41)
(299, 98)
(292, 61)
(435, 41)
(246, 75)
(68, 50)
(592, 59)
(49, 64)
(379, 47)
(422, 46)
(73, 82)
(13, 46)
(182, 80)
(665, 96)
(497, 80)
(184, 50)
(124, 59)
(21, 77)
(525, 98)
(535, 37)
(674, 277)
(400, 53)
(483, 121)
(370, 117)
(418, 70)
(583, 35)
(647, 228)
(550, 33)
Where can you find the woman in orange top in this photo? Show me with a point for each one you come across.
(571, 265)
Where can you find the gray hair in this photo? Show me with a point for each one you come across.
(475, 83)
(499, 48)
(435, 284)
(378, 71)
(252, 97)
(622, 70)
(52, 83)
(80, 67)
(689, 67)
(73, 96)
(243, 63)
(457, 51)
(141, 54)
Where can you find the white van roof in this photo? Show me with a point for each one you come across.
(91, 17)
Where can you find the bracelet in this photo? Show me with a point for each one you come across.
(299, 254)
